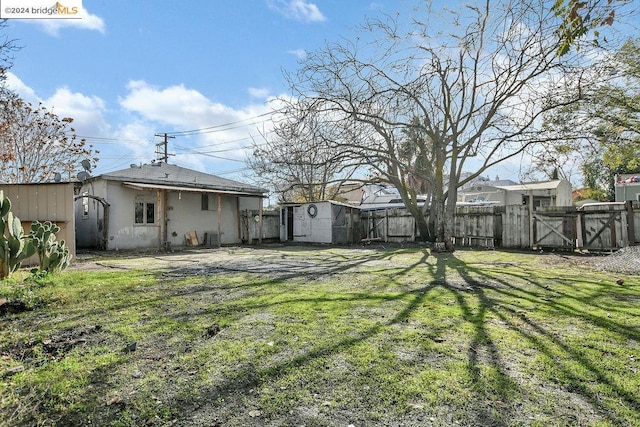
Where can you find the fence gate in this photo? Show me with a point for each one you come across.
(555, 229)
(604, 228)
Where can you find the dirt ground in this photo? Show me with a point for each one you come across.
(261, 260)
(202, 261)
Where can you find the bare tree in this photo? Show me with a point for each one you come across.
(35, 144)
(7, 48)
(474, 93)
(298, 159)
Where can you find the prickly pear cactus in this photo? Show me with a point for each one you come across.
(15, 247)
(52, 255)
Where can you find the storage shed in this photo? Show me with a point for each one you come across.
(320, 222)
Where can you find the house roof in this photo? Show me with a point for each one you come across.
(171, 177)
(547, 185)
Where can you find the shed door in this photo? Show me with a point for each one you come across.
(290, 223)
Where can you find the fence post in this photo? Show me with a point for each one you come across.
(579, 231)
(532, 239)
(386, 225)
(630, 223)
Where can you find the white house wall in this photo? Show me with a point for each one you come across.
(563, 195)
(185, 214)
(123, 233)
(251, 203)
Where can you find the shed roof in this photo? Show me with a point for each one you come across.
(172, 177)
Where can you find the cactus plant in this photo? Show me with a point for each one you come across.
(14, 245)
(52, 255)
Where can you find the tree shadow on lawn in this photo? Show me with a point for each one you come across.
(493, 290)
(481, 413)
(481, 297)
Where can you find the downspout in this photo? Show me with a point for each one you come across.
(239, 218)
(160, 215)
(165, 221)
(219, 220)
(105, 226)
(531, 218)
(260, 222)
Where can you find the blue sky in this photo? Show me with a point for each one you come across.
(131, 69)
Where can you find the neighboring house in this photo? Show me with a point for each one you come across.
(320, 222)
(538, 194)
(627, 187)
(374, 196)
(158, 205)
(44, 202)
(485, 181)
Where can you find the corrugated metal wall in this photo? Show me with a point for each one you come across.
(44, 202)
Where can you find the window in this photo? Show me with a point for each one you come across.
(145, 213)
(151, 213)
(207, 202)
(638, 197)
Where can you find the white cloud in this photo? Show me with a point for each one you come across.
(222, 134)
(298, 10)
(135, 145)
(298, 53)
(175, 105)
(87, 112)
(226, 135)
(18, 86)
(88, 21)
(259, 92)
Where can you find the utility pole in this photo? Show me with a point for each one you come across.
(165, 142)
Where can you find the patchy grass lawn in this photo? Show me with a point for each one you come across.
(323, 337)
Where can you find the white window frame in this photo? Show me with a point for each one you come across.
(145, 213)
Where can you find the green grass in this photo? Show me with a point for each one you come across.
(367, 338)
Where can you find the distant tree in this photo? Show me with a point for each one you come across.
(601, 132)
(439, 96)
(296, 160)
(35, 144)
(7, 47)
(579, 17)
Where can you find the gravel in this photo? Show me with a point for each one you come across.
(626, 260)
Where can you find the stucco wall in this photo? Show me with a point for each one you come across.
(627, 192)
(123, 233)
(184, 214)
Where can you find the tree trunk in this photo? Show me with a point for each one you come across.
(438, 202)
(450, 219)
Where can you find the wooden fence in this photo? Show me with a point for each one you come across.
(251, 231)
(593, 227)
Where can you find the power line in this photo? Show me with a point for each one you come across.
(107, 140)
(192, 151)
(216, 128)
